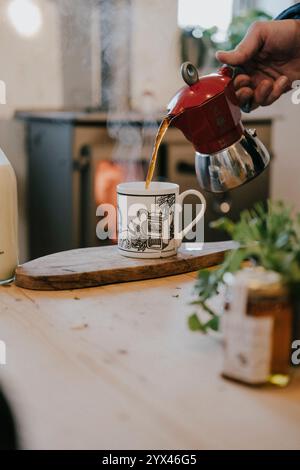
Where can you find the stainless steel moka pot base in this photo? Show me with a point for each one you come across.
(232, 166)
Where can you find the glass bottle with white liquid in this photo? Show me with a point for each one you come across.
(8, 221)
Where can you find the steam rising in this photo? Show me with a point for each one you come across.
(133, 133)
(132, 138)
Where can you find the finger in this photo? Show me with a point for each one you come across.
(262, 91)
(269, 71)
(247, 48)
(241, 81)
(280, 86)
(244, 95)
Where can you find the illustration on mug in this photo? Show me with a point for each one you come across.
(151, 227)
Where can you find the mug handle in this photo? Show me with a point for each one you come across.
(199, 216)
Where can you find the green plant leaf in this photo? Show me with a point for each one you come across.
(194, 323)
(212, 324)
(268, 235)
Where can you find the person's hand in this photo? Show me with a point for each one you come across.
(270, 56)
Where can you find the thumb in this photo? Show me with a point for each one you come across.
(247, 48)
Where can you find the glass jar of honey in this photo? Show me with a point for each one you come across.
(257, 328)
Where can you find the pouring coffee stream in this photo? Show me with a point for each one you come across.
(206, 110)
(158, 139)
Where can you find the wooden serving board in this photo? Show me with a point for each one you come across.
(90, 267)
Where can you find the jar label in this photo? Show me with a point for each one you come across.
(247, 347)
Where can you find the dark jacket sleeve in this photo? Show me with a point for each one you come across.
(291, 13)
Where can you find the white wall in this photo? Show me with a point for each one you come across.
(286, 168)
(80, 48)
(285, 175)
(31, 68)
(285, 183)
(155, 56)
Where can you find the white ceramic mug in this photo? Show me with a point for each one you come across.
(148, 219)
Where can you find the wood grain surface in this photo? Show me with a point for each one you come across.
(116, 367)
(90, 267)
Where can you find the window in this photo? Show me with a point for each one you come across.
(212, 13)
(25, 16)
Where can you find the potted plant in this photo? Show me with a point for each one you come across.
(267, 236)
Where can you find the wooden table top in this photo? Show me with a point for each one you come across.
(116, 367)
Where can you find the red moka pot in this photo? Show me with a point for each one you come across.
(208, 114)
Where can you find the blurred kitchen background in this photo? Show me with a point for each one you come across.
(88, 82)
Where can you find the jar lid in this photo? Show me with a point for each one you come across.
(258, 281)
